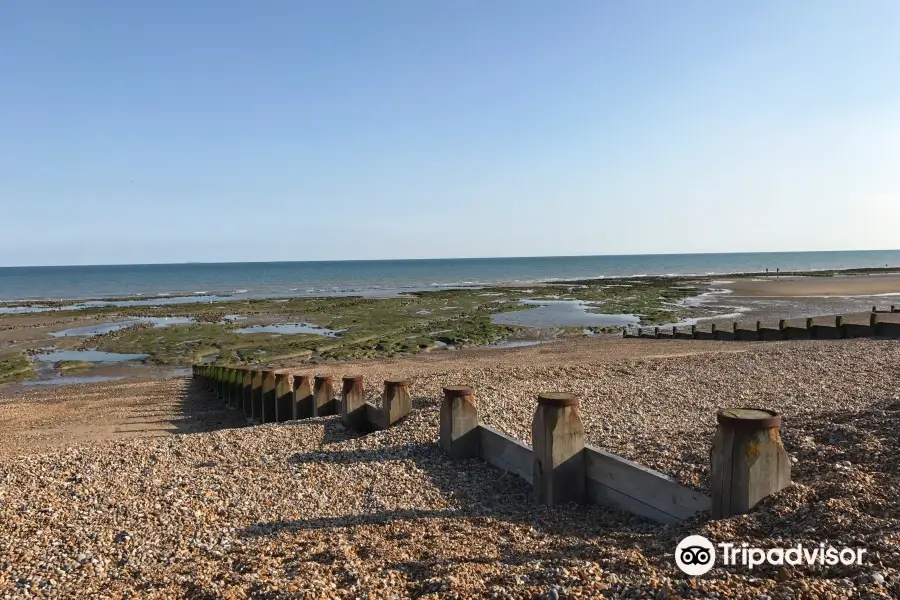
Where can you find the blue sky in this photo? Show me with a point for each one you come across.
(297, 130)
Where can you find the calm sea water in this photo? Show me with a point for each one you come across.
(258, 280)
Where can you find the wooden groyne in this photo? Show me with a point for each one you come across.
(274, 396)
(811, 330)
(560, 467)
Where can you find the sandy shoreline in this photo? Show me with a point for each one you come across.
(310, 510)
(851, 285)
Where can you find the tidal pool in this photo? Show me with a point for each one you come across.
(97, 356)
(291, 328)
(107, 327)
(561, 313)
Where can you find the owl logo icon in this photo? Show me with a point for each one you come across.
(695, 555)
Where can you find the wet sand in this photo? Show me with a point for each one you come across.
(798, 287)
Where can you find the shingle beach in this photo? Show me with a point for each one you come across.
(200, 507)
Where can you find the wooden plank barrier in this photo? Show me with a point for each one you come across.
(563, 468)
(812, 330)
(323, 396)
(303, 398)
(505, 453)
(256, 395)
(615, 481)
(267, 414)
(284, 397)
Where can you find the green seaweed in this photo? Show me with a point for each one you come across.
(15, 366)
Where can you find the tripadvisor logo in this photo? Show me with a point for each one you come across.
(695, 555)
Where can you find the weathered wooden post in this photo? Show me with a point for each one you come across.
(268, 396)
(227, 384)
(397, 401)
(873, 323)
(223, 384)
(247, 391)
(303, 398)
(674, 332)
(558, 438)
(284, 397)
(214, 382)
(656, 332)
(459, 422)
(694, 331)
(810, 326)
(714, 331)
(874, 309)
(839, 327)
(323, 393)
(747, 460)
(353, 403)
(234, 386)
(759, 331)
(782, 327)
(256, 395)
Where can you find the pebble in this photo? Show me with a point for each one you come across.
(309, 509)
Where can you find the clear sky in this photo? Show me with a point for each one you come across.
(230, 130)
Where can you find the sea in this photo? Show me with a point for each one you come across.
(189, 281)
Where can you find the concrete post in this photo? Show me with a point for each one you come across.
(268, 396)
(303, 397)
(284, 397)
(459, 423)
(353, 403)
(397, 401)
(323, 396)
(747, 460)
(558, 438)
(256, 395)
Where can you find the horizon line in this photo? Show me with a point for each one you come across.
(356, 260)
